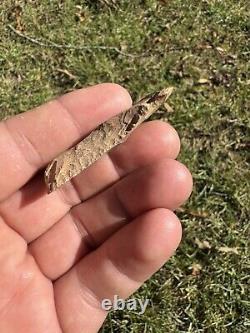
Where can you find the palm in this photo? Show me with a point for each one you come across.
(62, 253)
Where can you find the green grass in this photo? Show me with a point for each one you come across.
(180, 43)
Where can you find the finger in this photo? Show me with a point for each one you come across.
(165, 184)
(150, 142)
(118, 267)
(23, 289)
(12, 255)
(29, 141)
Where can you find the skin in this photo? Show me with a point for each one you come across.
(103, 234)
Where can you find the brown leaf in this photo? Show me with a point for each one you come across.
(196, 269)
(203, 245)
(226, 249)
(203, 81)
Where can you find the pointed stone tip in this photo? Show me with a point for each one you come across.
(166, 92)
(160, 96)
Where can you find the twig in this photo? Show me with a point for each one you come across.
(51, 44)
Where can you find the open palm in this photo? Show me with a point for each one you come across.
(102, 234)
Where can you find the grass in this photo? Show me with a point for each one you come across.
(200, 47)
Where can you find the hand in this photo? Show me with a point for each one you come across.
(102, 234)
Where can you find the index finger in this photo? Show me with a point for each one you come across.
(30, 140)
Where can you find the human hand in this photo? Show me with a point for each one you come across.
(102, 234)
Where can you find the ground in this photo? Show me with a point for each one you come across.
(202, 49)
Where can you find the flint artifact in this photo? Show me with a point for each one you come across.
(108, 135)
